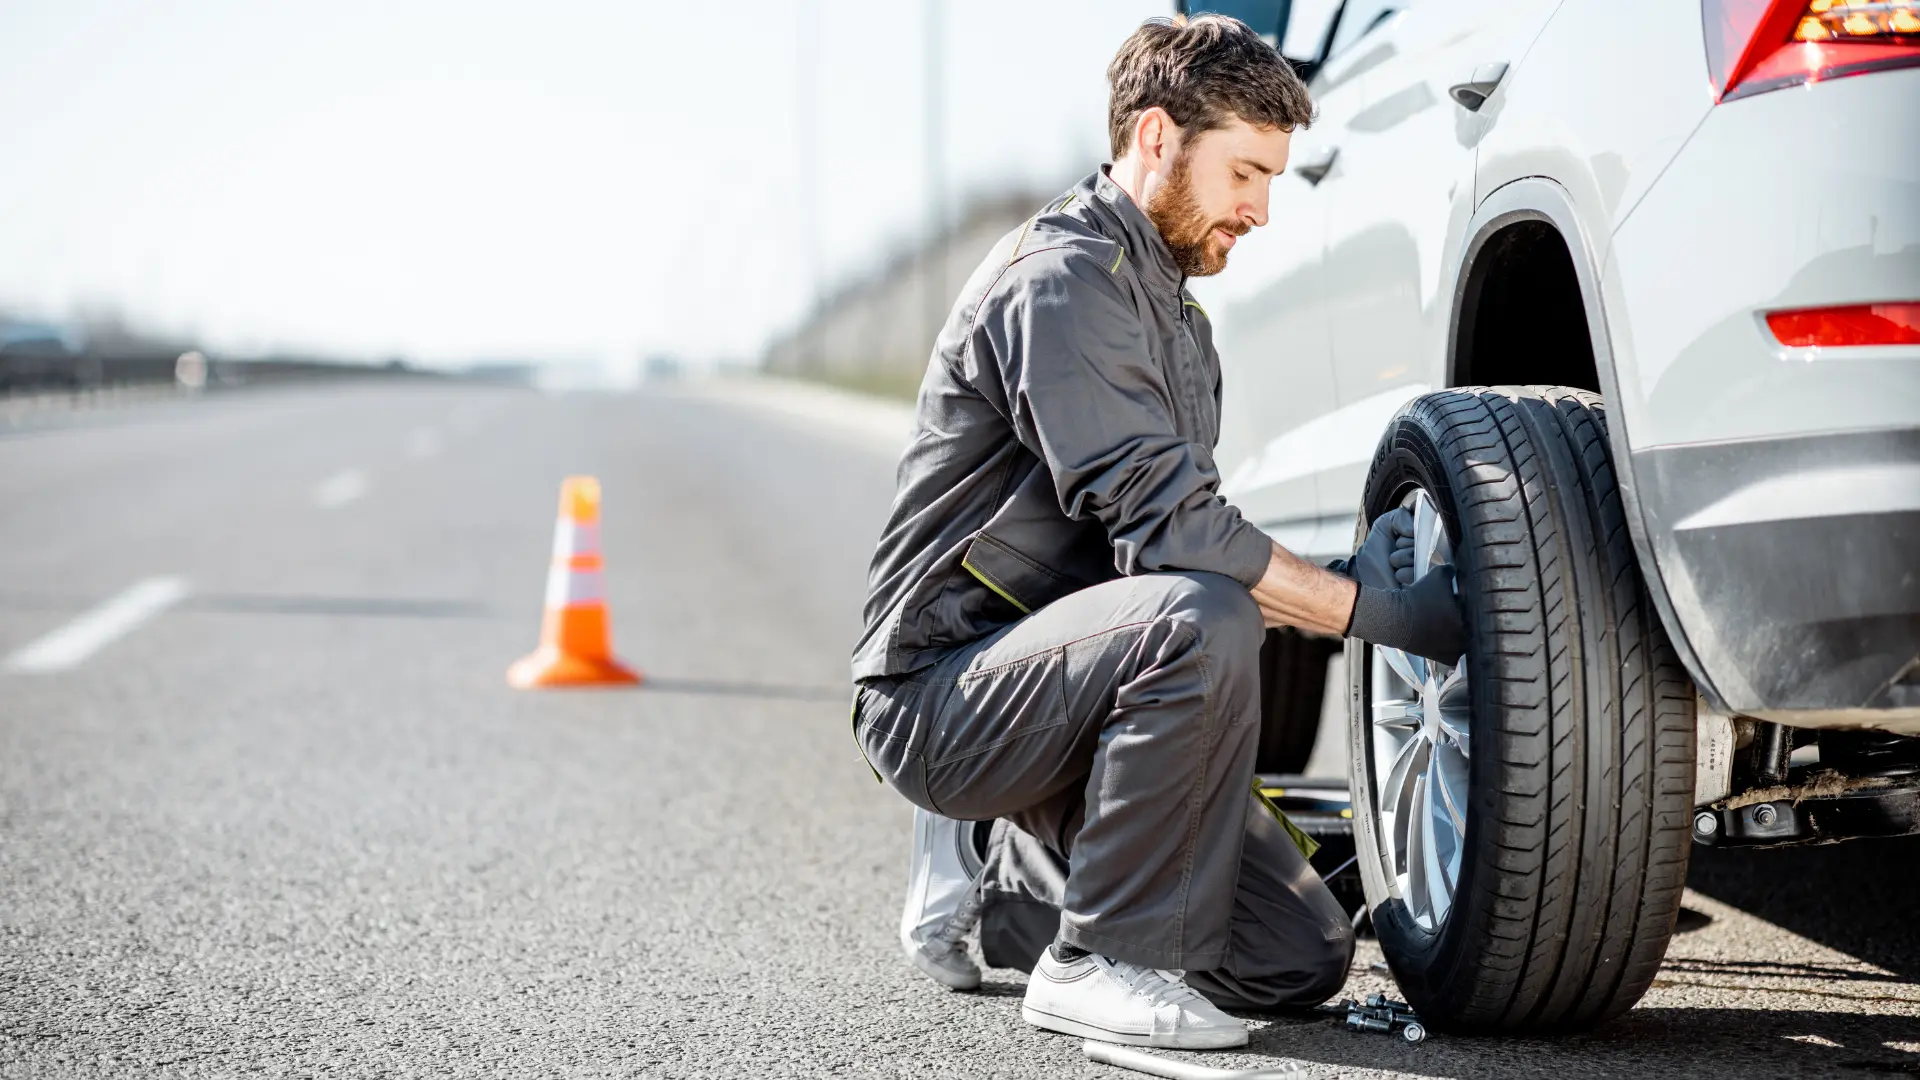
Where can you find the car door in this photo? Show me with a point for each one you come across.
(1398, 200)
(1276, 363)
(1269, 311)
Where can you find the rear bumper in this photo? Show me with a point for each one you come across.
(1779, 488)
(1793, 565)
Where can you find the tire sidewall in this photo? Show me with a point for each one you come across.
(1422, 961)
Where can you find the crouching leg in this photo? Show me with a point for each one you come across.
(1290, 947)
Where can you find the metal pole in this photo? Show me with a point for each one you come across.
(810, 347)
(933, 64)
(1126, 1057)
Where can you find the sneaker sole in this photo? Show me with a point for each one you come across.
(1196, 1040)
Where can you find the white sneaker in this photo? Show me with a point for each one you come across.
(1114, 1001)
(943, 900)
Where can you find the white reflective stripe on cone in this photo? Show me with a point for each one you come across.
(566, 588)
(576, 538)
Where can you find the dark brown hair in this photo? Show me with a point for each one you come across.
(1202, 71)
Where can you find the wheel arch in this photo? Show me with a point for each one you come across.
(1539, 202)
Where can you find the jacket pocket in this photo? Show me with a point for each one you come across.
(1021, 581)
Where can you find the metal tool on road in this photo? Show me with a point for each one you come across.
(574, 648)
(1383, 1015)
(1126, 1057)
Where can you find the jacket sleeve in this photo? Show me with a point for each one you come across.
(1062, 346)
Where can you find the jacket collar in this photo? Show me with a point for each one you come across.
(1148, 251)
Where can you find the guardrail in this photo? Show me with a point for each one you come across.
(189, 369)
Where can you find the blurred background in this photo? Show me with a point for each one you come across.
(591, 190)
(306, 310)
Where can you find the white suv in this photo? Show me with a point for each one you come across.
(1623, 297)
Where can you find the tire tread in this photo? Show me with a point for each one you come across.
(1579, 843)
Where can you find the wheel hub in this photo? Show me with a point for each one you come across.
(1421, 745)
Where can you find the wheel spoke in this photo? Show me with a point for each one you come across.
(1410, 668)
(1401, 777)
(1438, 887)
(1450, 786)
(1419, 895)
(1399, 713)
(1419, 717)
(1427, 531)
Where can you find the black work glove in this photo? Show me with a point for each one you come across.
(1423, 618)
(1385, 558)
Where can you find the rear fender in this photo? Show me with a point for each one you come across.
(1539, 199)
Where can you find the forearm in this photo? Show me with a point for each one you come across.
(1294, 592)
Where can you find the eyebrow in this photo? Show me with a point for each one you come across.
(1249, 162)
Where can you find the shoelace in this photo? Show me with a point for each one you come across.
(1159, 987)
(963, 918)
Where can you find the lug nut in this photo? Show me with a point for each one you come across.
(1414, 1032)
(1706, 823)
(1363, 1022)
(1764, 814)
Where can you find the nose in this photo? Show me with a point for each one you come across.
(1256, 209)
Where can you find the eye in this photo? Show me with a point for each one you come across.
(1240, 176)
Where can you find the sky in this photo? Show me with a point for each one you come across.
(572, 180)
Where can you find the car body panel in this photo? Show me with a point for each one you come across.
(1402, 191)
(1785, 519)
(1334, 338)
(1279, 328)
(1270, 315)
(1773, 494)
(1791, 199)
(1604, 100)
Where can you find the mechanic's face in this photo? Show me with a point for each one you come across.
(1215, 191)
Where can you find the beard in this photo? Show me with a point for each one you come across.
(1186, 228)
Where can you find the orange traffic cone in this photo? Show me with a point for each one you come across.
(573, 636)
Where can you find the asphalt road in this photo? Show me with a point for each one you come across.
(294, 823)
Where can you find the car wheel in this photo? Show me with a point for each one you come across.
(1522, 815)
(1293, 684)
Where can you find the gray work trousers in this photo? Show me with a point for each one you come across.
(1113, 732)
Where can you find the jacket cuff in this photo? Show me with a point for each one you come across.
(1247, 555)
(1376, 618)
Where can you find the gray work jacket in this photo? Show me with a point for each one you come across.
(1063, 437)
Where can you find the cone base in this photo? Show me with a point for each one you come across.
(550, 667)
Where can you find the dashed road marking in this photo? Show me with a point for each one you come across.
(340, 489)
(71, 644)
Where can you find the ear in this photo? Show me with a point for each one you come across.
(1156, 138)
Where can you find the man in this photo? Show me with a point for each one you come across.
(1064, 616)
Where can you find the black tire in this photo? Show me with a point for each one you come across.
(1293, 683)
(1580, 777)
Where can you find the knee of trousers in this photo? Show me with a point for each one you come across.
(1314, 969)
(1223, 615)
(1327, 967)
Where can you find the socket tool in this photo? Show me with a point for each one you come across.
(1383, 1015)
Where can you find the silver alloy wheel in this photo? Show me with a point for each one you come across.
(1420, 733)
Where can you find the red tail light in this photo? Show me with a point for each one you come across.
(1758, 45)
(1857, 324)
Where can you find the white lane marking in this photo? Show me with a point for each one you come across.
(73, 643)
(423, 443)
(340, 489)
